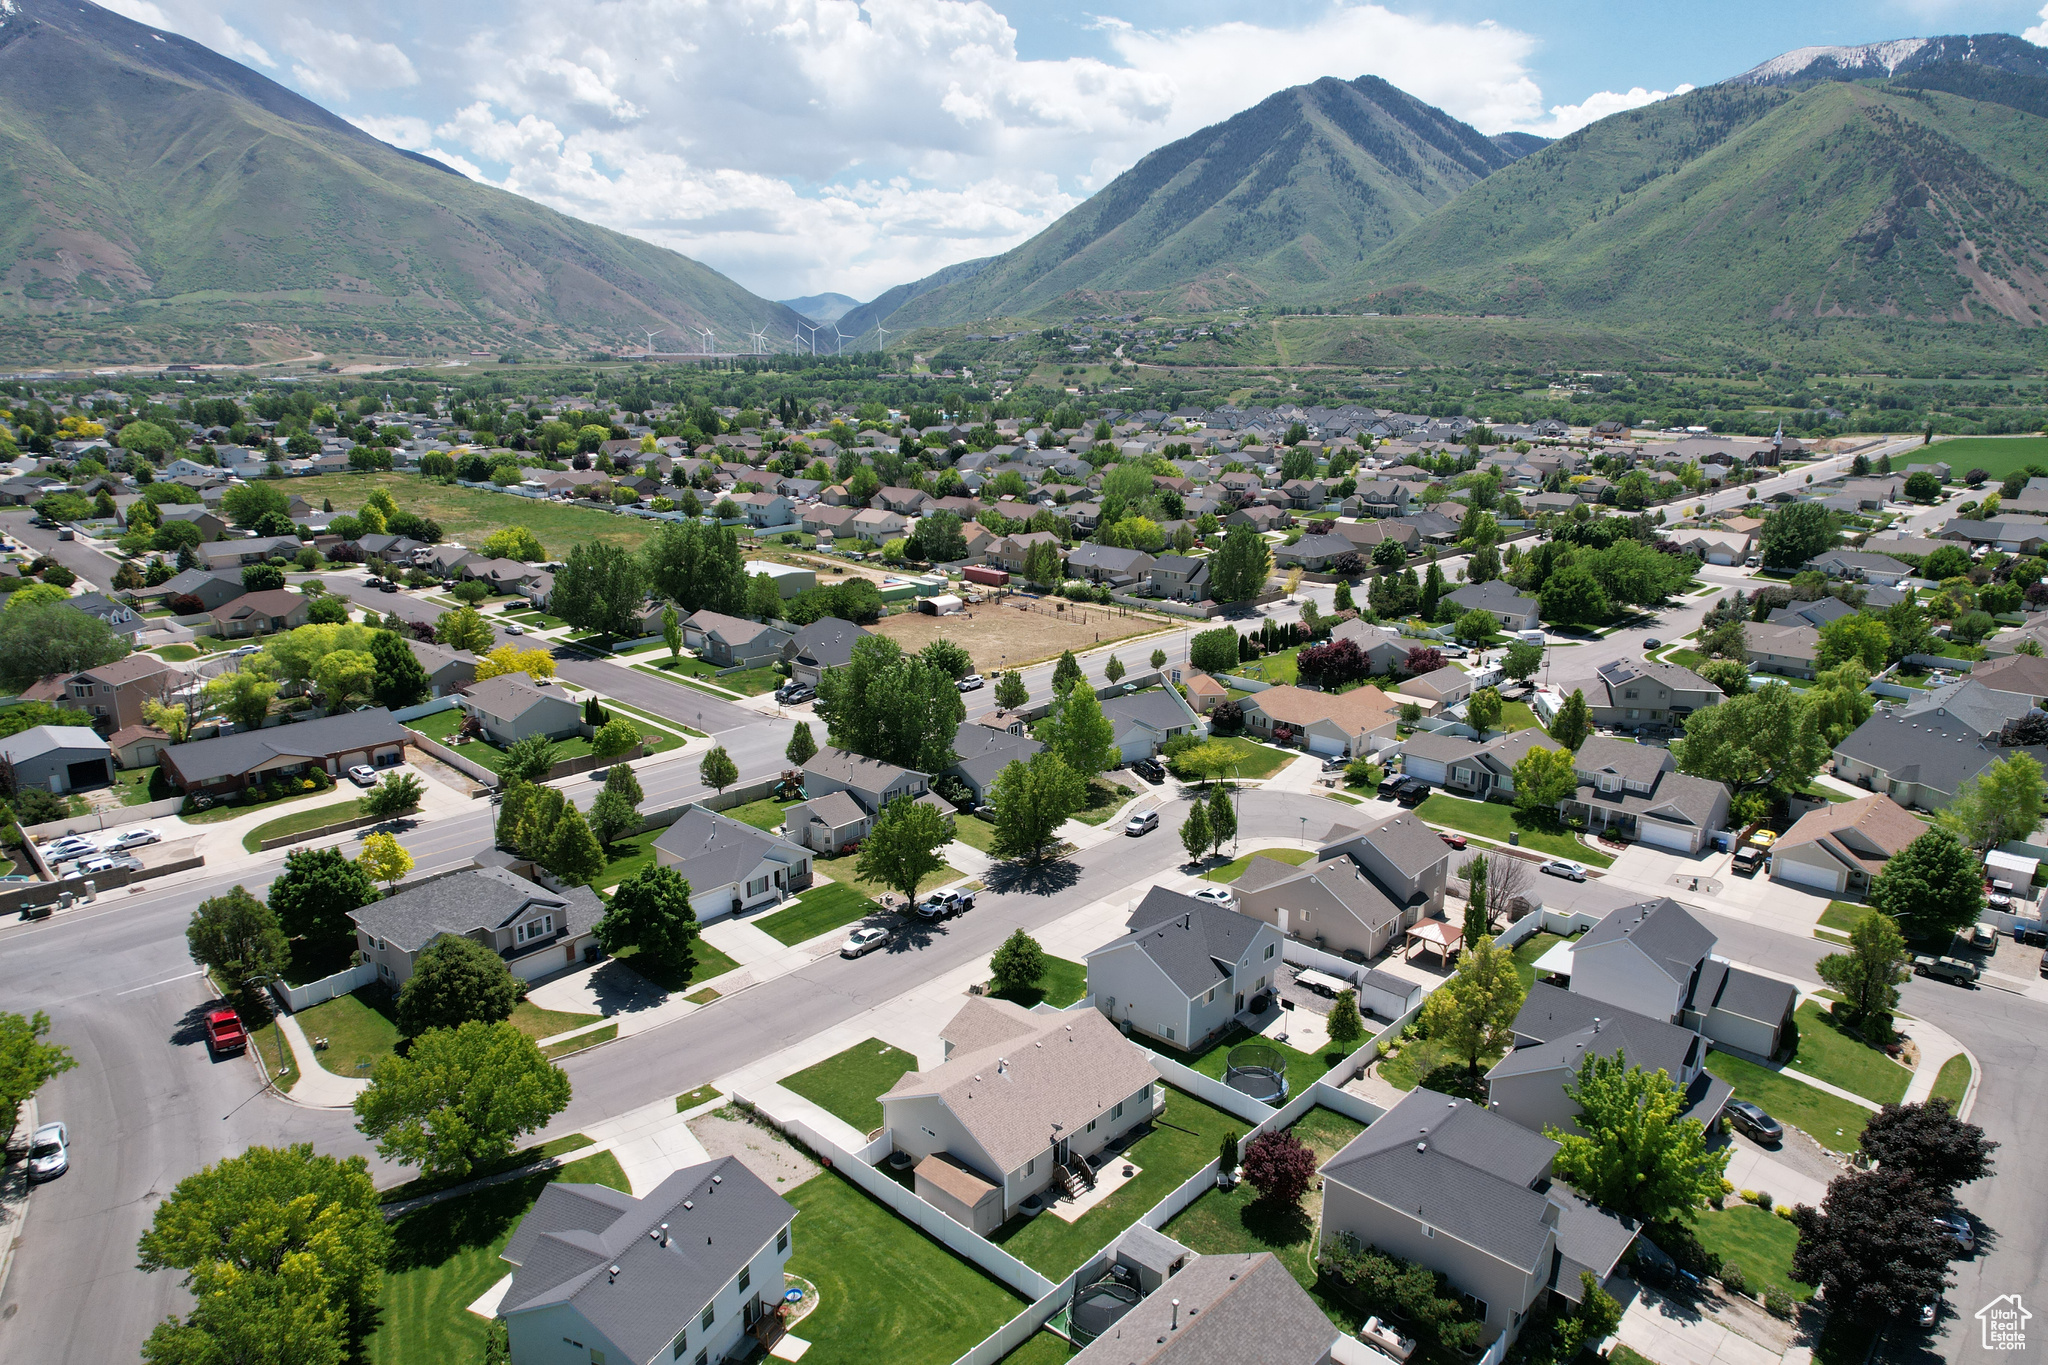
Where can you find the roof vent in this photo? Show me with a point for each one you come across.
(1421, 1146)
(718, 1180)
(1176, 1316)
(612, 1276)
(688, 1205)
(664, 1234)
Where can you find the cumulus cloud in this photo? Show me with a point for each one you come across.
(333, 64)
(2039, 32)
(1569, 118)
(205, 27)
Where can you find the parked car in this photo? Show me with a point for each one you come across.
(1747, 860)
(363, 775)
(1566, 868)
(1217, 895)
(1653, 643)
(1950, 969)
(1336, 764)
(1956, 1224)
(945, 904)
(2044, 962)
(1414, 794)
(224, 1033)
(134, 838)
(93, 867)
(514, 628)
(971, 683)
(1144, 822)
(1983, 937)
(49, 1152)
(1453, 838)
(1753, 1122)
(69, 847)
(790, 694)
(864, 940)
(1390, 786)
(1764, 838)
(1150, 770)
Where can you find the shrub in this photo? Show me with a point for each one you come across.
(1778, 1301)
(1762, 1200)
(1732, 1278)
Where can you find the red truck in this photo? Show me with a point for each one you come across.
(224, 1033)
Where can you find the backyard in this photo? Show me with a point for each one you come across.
(1214, 1059)
(468, 515)
(1761, 1243)
(1529, 951)
(848, 1085)
(1502, 823)
(1182, 1140)
(1830, 1120)
(765, 814)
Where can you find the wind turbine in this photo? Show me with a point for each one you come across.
(841, 339)
(707, 339)
(760, 341)
(814, 335)
(650, 339)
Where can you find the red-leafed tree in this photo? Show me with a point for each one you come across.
(1281, 1167)
(1421, 661)
(1333, 664)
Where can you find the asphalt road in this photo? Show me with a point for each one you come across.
(89, 564)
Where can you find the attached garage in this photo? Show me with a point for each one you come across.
(1428, 769)
(1794, 867)
(1657, 834)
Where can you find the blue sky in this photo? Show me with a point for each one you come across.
(803, 146)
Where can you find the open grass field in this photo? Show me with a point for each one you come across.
(444, 1256)
(1496, 820)
(1761, 1243)
(1828, 1052)
(817, 911)
(1012, 635)
(469, 514)
(1998, 456)
(849, 1084)
(886, 1292)
(1831, 1121)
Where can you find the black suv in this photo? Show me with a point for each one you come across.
(1149, 769)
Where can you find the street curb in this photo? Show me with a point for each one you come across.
(34, 1116)
(1969, 1100)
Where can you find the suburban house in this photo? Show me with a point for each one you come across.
(1385, 648)
(1107, 563)
(869, 781)
(262, 613)
(826, 824)
(1313, 553)
(234, 554)
(824, 644)
(981, 752)
(247, 758)
(1790, 650)
(113, 693)
(1656, 959)
(1556, 1031)
(537, 931)
(764, 509)
(680, 1275)
(1635, 792)
(1628, 694)
(1467, 1193)
(732, 641)
(1816, 613)
(1514, 611)
(1179, 577)
(1359, 895)
(1715, 547)
(1242, 1308)
(2020, 675)
(58, 758)
(1020, 1102)
(1329, 723)
(1482, 769)
(209, 589)
(1186, 969)
(1008, 553)
(448, 670)
(1920, 754)
(210, 523)
(1145, 720)
(1838, 849)
(731, 867)
(512, 707)
(1860, 566)
(1438, 690)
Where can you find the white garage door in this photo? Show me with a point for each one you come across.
(1807, 875)
(1659, 835)
(1325, 744)
(1428, 769)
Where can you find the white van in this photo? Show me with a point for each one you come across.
(1529, 637)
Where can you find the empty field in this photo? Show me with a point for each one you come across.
(469, 514)
(1001, 637)
(1998, 456)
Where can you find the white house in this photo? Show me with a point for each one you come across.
(731, 867)
(1185, 970)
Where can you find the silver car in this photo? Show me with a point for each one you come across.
(134, 838)
(864, 940)
(49, 1152)
(1144, 822)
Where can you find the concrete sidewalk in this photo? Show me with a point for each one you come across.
(1672, 1334)
(318, 1088)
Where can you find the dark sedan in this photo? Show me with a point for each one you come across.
(1754, 1123)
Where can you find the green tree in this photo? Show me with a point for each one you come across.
(1860, 637)
(902, 846)
(384, 858)
(53, 637)
(243, 696)
(1870, 973)
(1222, 817)
(262, 578)
(1114, 670)
(1572, 596)
(314, 895)
(1473, 1013)
(1839, 700)
(400, 680)
(651, 913)
(1158, 659)
(1032, 800)
(1478, 923)
(1766, 740)
(1017, 965)
(1932, 887)
(612, 817)
(1043, 564)
(343, 675)
(1522, 660)
(672, 631)
(614, 737)
(1346, 1028)
(1214, 651)
(1483, 709)
(395, 795)
(527, 760)
(948, 657)
(1194, 832)
(718, 770)
(601, 587)
(2001, 803)
(1011, 692)
(1923, 486)
(1633, 1153)
(1796, 533)
(886, 705)
(1573, 722)
(802, 748)
(459, 1098)
(455, 980)
(26, 1062)
(1726, 674)
(248, 503)
(574, 854)
(764, 599)
(236, 937)
(1544, 777)
(1240, 566)
(1076, 729)
(464, 628)
(1479, 624)
(513, 542)
(1065, 673)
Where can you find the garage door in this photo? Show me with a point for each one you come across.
(1807, 875)
(1659, 835)
(1428, 769)
(91, 773)
(1319, 744)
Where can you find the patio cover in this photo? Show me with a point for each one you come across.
(1557, 961)
(1440, 936)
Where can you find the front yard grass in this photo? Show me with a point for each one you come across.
(1843, 916)
(580, 1042)
(627, 857)
(359, 1028)
(706, 963)
(1105, 798)
(840, 870)
(443, 725)
(1253, 760)
(1059, 985)
(1234, 869)
(1831, 1121)
(1182, 1139)
(1496, 820)
(446, 1255)
(225, 810)
(299, 821)
(1826, 1051)
(280, 1061)
(817, 911)
(1953, 1082)
(537, 1023)
(849, 1085)
(886, 1291)
(974, 831)
(1759, 1242)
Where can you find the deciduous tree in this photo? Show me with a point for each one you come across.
(1065, 673)
(1940, 1150)
(1240, 565)
(463, 628)
(718, 770)
(1222, 818)
(460, 1097)
(1766, 740)
(384, 859)
(1933, 886)
(1544, 777)
(26, 1062)
(1573, 722)
(1876, 1246)
(527, 760)
(802, 748)
(455, 980)
(1076, 729)
(1870, 973)
(1032, 800)
(1796, 533)
(513, 542)
(237, 937)
(886, 705)
(1011, 691)
(1632, 1152)
(53, 637)
(1483, 709)
(2001, 803)
(1016, 965)
(314, 893)
(1860, 637)
(902, 846)
(1194, 832)
(1473, 1013)
(651, 913)
(1280, 1166)
(600, 587)
(573, 855)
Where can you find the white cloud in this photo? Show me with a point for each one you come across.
(2039, 32)
(333, 64)
(1569, 118)
(208, 28)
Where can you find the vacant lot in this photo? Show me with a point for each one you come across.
(1998, 456)
(1005, 636)
(469, 514)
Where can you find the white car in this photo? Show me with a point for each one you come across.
(363, 775)
(514, 628)
(864, 940)
(70, 847)
(134, 838)
(1217, 895)
(1144, 822)
(49, 1152)
(971, 683)
(1565, 868)
(93, 867)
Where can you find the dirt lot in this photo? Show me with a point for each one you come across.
(760, 1149)
(1001, 635)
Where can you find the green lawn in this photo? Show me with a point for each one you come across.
(1954, 1081)
(140, 786)
(850, 1084)
(298, 822)
(886, 1292)
(1180, 1142)
(817, 911)
(974, 832)
(225, 810)
(537, 1023)
(444, 1256)
(1213, 1059)
(1831, 1121)
(1253, 760)
(1996, 455)
(613, 704)
(840, 870)
(280, 1062)
(1234, 869)
(1105, 798)
(1059, 985)
(468, 515)
(703, 1094)
(1843, 916)
(580, 1042)
(1235, 1221)
(1278, 667)
(359, 1027)
(1421, 1061)
(628, 856)
(1761, 1243)
(442, 726)
(1044, 1348)
(706, 962)
(1496, 820)
(1827, 1052)
(1514, 715)
(176, 654)
(1529, 950)
(765, 814)
(690, 672)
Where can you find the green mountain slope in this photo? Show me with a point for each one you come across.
(1751, 205)
(161, 201)
(1285, 196)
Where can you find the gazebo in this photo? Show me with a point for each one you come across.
(1439, 936)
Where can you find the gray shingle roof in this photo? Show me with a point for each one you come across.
(714, 850)
(1406, 842)
(1588, 1238)
(982, 751)
(1629, 762)
(1662, 930)
(49, 739)
(834, 809)
(1233, 1310)
(1566, 1027)
(1193, 942)
(1158, 708)
(463, 902)
(827, 642)
(1934, 748)
(1752, 996)
(662, 1284)
(208, 759)
(862, 774)
(1493, 595)
(1333, 887)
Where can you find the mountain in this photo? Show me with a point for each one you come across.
(1518, 145)
(164, 202)
(822, 308)
(1900, 56)
(868, 319)
(1758, 204)
(1289, 194)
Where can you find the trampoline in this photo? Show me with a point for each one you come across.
(1257, 1070)
(1097, 1307)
